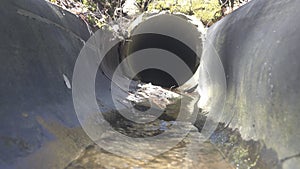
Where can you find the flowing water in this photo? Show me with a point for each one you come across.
(224, 150)
(190, 153)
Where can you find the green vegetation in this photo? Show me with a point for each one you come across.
(207, 11)
(91, 5)
(96, 13)
(99, 12)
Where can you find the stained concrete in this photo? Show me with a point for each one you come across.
(38, 49)
(257, 44)
(259, 48)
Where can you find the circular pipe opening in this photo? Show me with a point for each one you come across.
(155, 76)
(166, 32)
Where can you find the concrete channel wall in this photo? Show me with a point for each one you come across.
(38, 49)
(258, 46)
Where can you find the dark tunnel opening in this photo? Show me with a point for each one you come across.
(164, 32)
(155, 76)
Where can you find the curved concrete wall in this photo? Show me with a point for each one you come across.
(259, 48)
(40, 43)
(38, 49)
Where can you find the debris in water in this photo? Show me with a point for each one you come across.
(149, 95)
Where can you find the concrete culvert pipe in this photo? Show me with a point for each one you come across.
(171, 33)
(257, 46)
(41, 43)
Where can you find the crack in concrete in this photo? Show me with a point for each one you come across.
(47, 21)
(290, 157)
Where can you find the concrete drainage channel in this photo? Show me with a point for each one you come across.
(245, 68)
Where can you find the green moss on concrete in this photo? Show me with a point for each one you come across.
(244, 153)
(207, 11)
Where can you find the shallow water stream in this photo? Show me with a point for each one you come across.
(224, 150)
(190, 153)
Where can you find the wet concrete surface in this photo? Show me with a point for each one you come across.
(190, 153)
(225, 148)
(39, 127)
